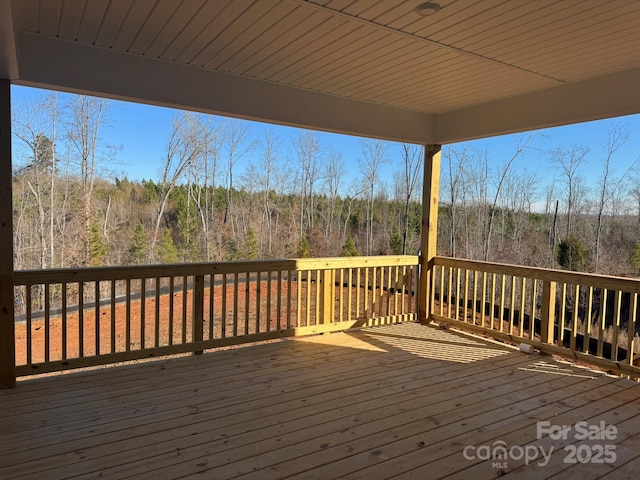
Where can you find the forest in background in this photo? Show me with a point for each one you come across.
(219, 193)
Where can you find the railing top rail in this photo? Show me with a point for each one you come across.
(66, 275)
(574, 278)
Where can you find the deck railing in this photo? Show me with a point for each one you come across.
(585, 317)
(69, 318)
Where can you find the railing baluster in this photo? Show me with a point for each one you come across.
(247, 302)
(350, 294)
(475, 297)
(457, 297)
(366, 293)
(316, 319)
(523, 299)
(449, 291)
(388, 294)
(143, 311)
(171, 307)
(616, 325)
(268, 306)
(28, 326)
(587, 332)
(156, 329)
(223, 314)
(64, 321)
(341, 297)
(492, 301)
(602, 323)
(279, 302)
(503, 280)
(483, 306)
(258, 299)
(128, 317)
(574, 322)
(197, 311)
(298, 298)
(402, 283)
(47, 323)
(357, 293)
(235, 303)
(289, 298)
(563, 307)
(465, 297)
(113, 321)
(96, 308)
(512, 304)
(534, 303)
(80, 319)
(212, 305)
(631, 328)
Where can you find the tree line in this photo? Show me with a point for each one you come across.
(221, 193)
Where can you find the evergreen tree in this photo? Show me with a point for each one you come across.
(166, 250)
(572, 254)
(139, 245)
(187, 224)
(635, 257)
(97, 248)
(304, 251)
(396, 241)
(349, 248)
(251, 247)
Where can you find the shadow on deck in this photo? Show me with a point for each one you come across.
(403, 401)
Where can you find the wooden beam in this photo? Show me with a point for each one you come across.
(7, 325)
(428, 242)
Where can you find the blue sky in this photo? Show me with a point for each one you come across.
(141, 132)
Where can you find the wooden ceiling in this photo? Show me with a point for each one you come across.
(367, 67)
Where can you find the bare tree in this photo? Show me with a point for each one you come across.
(333, 179)
(186, 143)
(616, 137)
(413, 161)
(569, 161)
(454, 190)
(86, 117)
(237, 143)
(374, 155)
(523, 143)
(308, 150)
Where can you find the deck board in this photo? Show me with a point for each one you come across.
(398, 401)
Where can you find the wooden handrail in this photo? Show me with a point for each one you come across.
(583, 315)
(109, 314)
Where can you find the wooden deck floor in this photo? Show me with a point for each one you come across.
(404, 401)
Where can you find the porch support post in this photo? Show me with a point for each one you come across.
(7, 325)
(430, 199)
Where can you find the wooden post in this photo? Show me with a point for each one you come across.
(7, 321)
(548, 313)
(198, 310)
(430, 200)
(327, 304)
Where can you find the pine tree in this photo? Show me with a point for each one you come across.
(251, 247)
(396, 241)
(167, 251)
(572, 253)
(304, 251)
(349, 248)
(96, 247)
(139, 245)
(635, 257)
